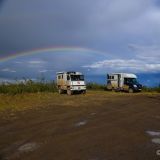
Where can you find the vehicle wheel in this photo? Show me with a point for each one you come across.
(83, 92)
(60, 91)
(109, 87)
(69, 92)
(130, 90)
(113, 90)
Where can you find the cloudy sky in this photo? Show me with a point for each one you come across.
(91, 36)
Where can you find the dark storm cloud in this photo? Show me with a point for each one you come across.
(157, 2)
(1, 3)
(108, 26)
(102, 25)
(26, 25)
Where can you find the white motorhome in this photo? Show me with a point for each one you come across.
(123, 82)
(70, 82)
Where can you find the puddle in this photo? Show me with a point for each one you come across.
(28, 147)
(81, 123)
(153, 133)
(158, 117)
(156, 140)
(92, 114)
(94, 159)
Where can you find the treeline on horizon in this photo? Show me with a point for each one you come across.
(30, 86)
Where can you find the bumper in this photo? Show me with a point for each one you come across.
(78, 88)
(137, 89)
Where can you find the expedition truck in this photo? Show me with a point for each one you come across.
(123, 82)
(70, 82)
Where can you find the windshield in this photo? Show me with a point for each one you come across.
(77, 77)
(130, 80)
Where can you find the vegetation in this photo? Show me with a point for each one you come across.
(95, 86)
(151, 89)
(27, 87)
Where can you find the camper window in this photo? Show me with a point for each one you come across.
(110, 77)
(59, 77)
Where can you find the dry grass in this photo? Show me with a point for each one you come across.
(27, 101)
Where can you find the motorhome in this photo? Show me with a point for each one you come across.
(70, 82)
(123, 82)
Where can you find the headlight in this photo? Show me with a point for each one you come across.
(135, 85)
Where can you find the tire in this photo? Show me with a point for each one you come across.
(60, 91)
(130, 90)
(83, 92)
(109, 87)
(69, 92)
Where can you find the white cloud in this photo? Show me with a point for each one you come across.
(18, 62)
(132, 65)
(36, 62)
(43, 71)
(145, 59)
(7, 70)
(6, 80)
(150, 53)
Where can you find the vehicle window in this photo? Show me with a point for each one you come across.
(125, 81)
(130, 81)
(68, 78)
(77, 77)
(109, 81)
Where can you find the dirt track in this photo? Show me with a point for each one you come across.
(95, 126)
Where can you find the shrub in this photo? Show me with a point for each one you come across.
(28, 86)
(151, 89)
(95, 86)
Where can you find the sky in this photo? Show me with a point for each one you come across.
(39, 38)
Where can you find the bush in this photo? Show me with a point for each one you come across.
(151, 89)
(95, 86)
(28, 86)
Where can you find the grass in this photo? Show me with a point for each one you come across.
(42, 86)
(151, 89)
(36, 87)
(95, 86)
(28, 87)
(24, 101)
(10, 103)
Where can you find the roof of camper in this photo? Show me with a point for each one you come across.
(127, 75)
(69, 72)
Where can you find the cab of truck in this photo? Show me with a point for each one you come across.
(132, 84)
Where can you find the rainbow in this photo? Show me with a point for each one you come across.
(50, 49)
